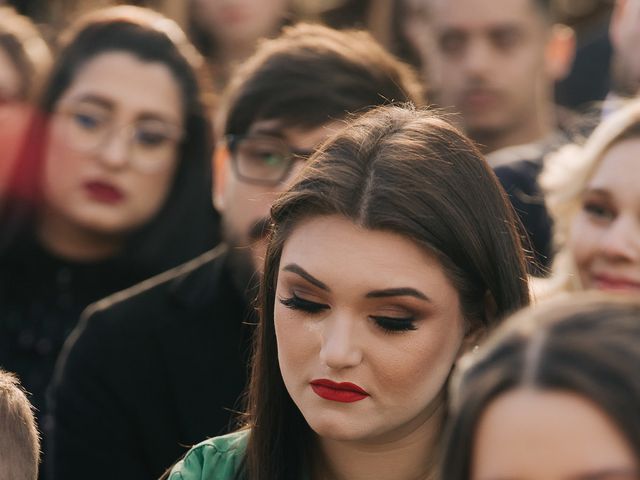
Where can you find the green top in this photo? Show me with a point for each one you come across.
(217, 458)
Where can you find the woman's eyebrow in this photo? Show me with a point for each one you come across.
(595, 190)
(103, 102)
(157, 117)
(297, 269)
(398, 292)
(93, 98)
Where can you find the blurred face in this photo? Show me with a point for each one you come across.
(491, 57)
(605, 234)
(549, 435)
(368, 327)
(9, 79)
(241, 21)
(625, 36)
(245, 205)
(416, 26)
(13, 116)
(112, 147)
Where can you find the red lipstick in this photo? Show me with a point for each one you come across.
(104, 192)
(344, 392)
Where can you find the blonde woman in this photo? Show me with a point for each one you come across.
(593, 194)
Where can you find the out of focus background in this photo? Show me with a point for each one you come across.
(587, 81)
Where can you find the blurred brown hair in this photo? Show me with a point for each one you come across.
(19, 438)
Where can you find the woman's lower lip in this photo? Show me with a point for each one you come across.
(103, 192)
(614, 285)
(333, 394)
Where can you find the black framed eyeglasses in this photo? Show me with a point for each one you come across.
(261, 159)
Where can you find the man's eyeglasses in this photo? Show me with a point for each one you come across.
(262, 160)
(150, 143)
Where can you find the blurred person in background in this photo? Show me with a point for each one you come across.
(553, 395)
(624, 32)
(499, 61)
(495, 64)
(152, 370)
(592, 193)
(19, 438)
(587, 84)
(227, 31)
(381, 18)
(112, 185)
(24, 61)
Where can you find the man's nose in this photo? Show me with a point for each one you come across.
(478, 56)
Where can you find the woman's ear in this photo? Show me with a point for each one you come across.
(472, 339)
(476, 334)
(220, 162)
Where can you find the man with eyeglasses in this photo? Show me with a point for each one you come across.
(159, 367)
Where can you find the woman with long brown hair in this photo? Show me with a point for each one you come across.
(381, 270)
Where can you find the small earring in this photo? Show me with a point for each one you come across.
(474, 349)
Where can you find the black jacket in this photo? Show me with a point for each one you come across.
(149, 372)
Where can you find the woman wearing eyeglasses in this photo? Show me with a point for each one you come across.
(111, 187)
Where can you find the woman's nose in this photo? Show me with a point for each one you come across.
(622, 239)
(340, 346)
(114, 150)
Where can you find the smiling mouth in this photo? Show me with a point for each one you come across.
(344, 392)
(613, 284)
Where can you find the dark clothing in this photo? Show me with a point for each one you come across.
(520, 180)
(41, 298)
(589, 79)
(518, 168)
(149, 372)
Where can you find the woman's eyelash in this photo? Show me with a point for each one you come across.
(598, 210)
(395, 324)
(296, 303)
(388, 324)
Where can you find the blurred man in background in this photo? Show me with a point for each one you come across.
(495, 63)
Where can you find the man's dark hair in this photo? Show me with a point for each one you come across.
(312, 74)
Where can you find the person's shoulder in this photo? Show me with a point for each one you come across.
(218, 458)
(126, 316)
(150, 290)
